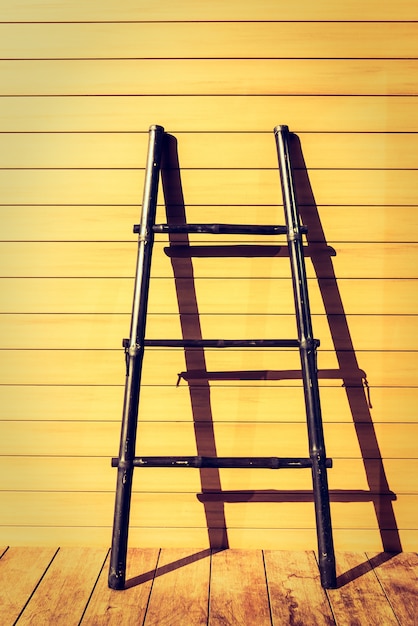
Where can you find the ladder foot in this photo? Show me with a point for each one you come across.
(116, 580)
(327, 571)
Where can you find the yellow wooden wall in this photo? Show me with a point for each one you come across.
(81, 82)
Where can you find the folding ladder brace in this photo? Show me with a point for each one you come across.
(134, 353)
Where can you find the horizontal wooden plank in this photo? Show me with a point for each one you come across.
(37, 331)
(217, 187)
(33, 473)
(114, 223)
(209, 40)
(208, 77)
(213, 296)
(51, 403)
(273, 511)
(208, 260)
(208, 113)
(253, 367)
(208, 150)
(396, 440)
(286, 539)
(28, 10)
(225, 404)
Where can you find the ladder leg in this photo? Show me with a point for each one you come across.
(308, 346)
(134, 352)
(326, 557)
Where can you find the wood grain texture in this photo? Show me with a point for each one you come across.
(238, 591)
(65, 589)
(181, 587)
(353, 598)
(21, 569)
(367, 296)
(80, 439)
(223, 367)
(290, 575)
(29, 10)
(295, 595)
(206, 150)
(114, 223)
(107, 606)
(117, 260)
(323, 113)
(209, 77)
(397, 573)
(213, 40)
(243, 539)
(81, 84)
(217, 187)
(267, 510)
(80, 331)
(245, 404)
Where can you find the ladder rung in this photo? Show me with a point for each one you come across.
(221, 229)
(222, 343)
(260, 462)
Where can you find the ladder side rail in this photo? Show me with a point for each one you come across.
(134, 353)
(308, 346)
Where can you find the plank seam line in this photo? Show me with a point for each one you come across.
(374, 569)
(37, 585)
(207, 95)
(152, 585)
(269, 599)
(225, 21)
(94, 587)
(208, 58)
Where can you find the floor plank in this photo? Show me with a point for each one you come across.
(238, 593)
(359, 594)
(65, 589)
(126, 607)
(21, 569)
(180, 591)
(296, 595)
(44, 586)
(398, 575)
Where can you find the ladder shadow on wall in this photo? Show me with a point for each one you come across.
(354, 379)
(198, 378)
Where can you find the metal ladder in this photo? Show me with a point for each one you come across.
(136, 344)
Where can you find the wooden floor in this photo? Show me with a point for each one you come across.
(68, 586)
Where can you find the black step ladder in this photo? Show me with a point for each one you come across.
(136, 344)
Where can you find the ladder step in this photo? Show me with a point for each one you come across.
(222, 343)
(261, 462)
(221, 229)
